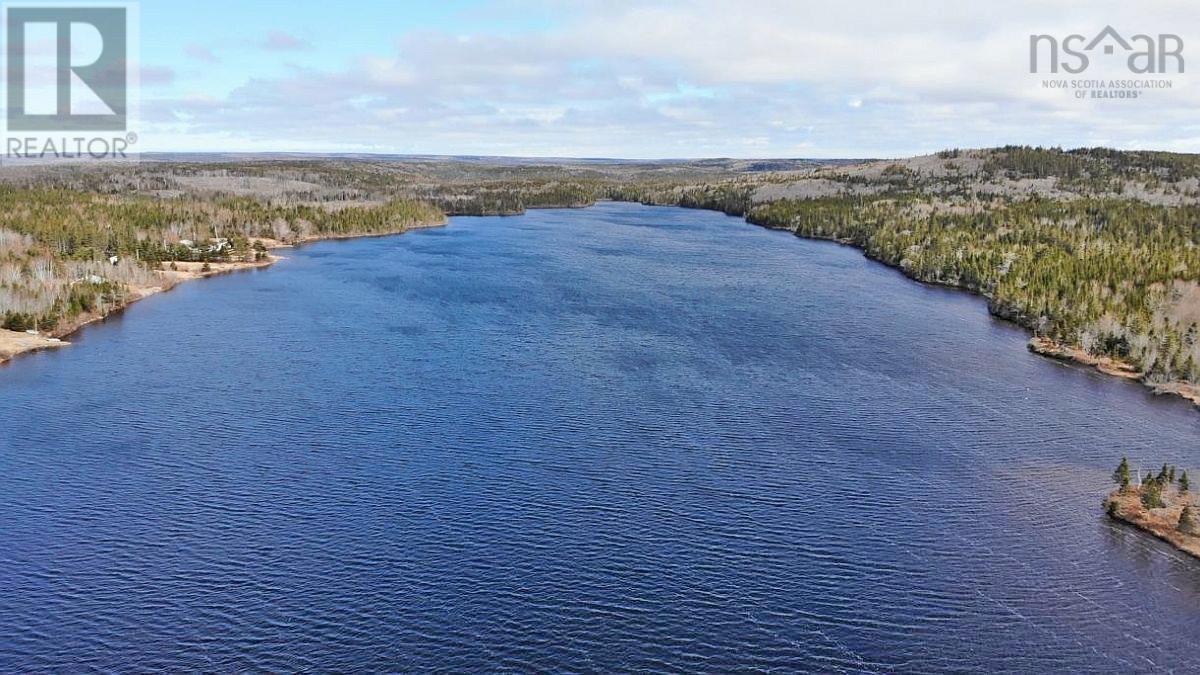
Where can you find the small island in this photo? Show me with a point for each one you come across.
(1162, 505)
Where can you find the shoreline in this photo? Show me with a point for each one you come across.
(1038, 345)
(1110, 366)
(14, 344)
(1159, 523)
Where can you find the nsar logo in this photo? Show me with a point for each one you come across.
(1145, 54)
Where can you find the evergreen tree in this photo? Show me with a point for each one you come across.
(1184, 485)
(1152, 495)
(1121, 475)
(1187, 521)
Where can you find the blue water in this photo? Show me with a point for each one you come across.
(621, 437)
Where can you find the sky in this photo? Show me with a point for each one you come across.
(590, 78)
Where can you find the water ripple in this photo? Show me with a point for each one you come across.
(620, 438)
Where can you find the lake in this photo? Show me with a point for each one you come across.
(621, 437)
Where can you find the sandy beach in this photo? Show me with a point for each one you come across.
(13, 343)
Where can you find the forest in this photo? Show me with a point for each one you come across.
(1114, 277)
(1093, 248)
(64, 253)
(1104, 258)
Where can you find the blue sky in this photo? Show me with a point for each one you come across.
(237, 35)
(637, 78)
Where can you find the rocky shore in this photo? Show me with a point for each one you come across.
(1110, 366)
(1159, 522)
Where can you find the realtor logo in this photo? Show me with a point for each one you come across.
(71, 81)
(67, 68)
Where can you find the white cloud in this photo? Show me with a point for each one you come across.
(201, 53)
(714, 77)
(280, 41)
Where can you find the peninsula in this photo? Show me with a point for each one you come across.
(1162, 505)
